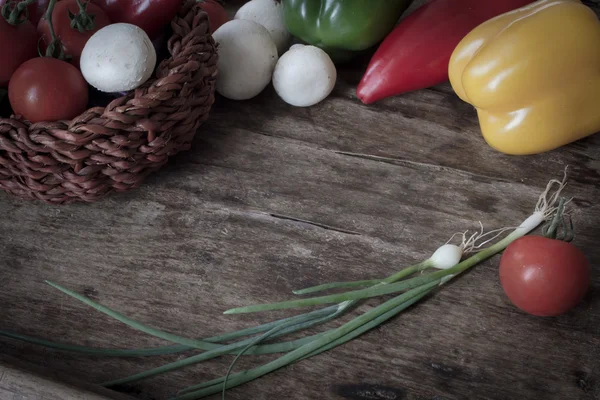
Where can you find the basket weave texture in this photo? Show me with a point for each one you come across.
(114, 148)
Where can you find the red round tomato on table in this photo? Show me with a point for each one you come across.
(153, 16)
(35, 10)
(217, 15)
(47, 89)
(73, 41)
(543, 276)
(18, 44)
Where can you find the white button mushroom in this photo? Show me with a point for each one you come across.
(247, 57)
(117, 58)
(304, 76)
(268, 13)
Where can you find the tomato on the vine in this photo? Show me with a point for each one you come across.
(18, 44)
(35, 10)
(544, 276)
(153, 16)
(73, 40)
(217, 15)
(47, 89)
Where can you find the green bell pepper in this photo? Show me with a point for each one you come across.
(343, 28)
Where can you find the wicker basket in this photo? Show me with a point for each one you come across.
(114, 148)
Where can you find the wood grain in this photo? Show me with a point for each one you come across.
(273, 198)
(22, 381)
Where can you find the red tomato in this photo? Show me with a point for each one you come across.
(36, 9)
(47, 89)
(217, 15)
(72, 40)
(544, 277)
(153, 16)
(18, 44)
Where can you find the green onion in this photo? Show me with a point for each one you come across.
(446, 258)
(332, 339)
(96, 351)
(374, 291)
(192, 343)
(368, 326)
(370, 319)
(392, 278)
(378, 290)
(325, 340)
(249, 345)
(156, 351)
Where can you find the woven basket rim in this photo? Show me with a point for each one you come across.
(113, 147)
(129, 95)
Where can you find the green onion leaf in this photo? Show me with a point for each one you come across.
(377, 290)
(192, 343)
(306, 321)
(325, 340)
(350, 284)
(97, 351)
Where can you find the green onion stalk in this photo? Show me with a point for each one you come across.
(415, 289)
(213, 346)
(419, 287)
(545, 208)
(184, 344)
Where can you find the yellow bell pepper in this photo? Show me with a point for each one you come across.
(533, 75)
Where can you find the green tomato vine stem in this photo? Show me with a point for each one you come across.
(557, 228)
(82, 21)
(55, 48)
(18, 14)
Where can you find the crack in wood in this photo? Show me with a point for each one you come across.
(399, 161)
(317, 224)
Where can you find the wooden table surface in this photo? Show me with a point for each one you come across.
(272, 198)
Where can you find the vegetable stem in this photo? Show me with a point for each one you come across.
(18, 14)
(367, 321)
(82, 21)
(423, 265)
(96, 351)
(55, 44)
(191, 343)
(108, 352)
(328, 338)
(249, 346)
(349, 284)
(558, 228)
(337, 285)
(370, 325)
(373, 291)
(378, 290)
(552, 228)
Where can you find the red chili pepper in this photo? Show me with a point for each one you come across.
(416, 54)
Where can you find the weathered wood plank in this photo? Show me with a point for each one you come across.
(22, 381)
(273, 198)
